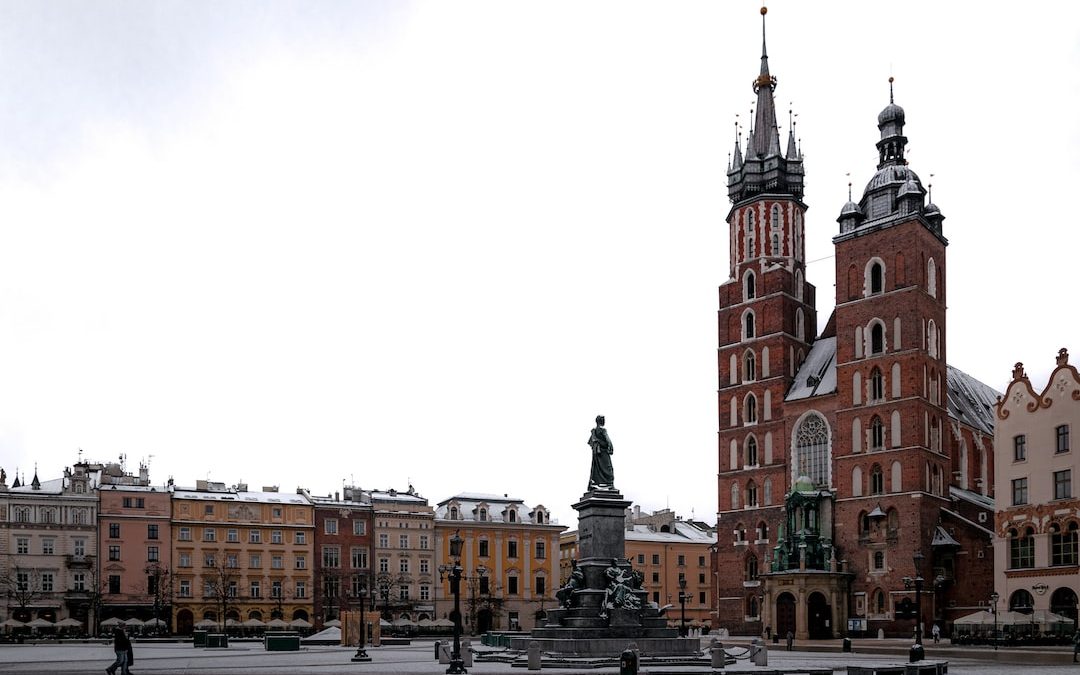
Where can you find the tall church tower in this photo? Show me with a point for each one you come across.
(767, 321)
(892, 419)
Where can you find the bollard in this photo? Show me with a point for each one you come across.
(628, 662)
(438, 643)
(444, 653)
(846, 645)
(759, 653)
(466, 653)
(716, 655)
(534, 656)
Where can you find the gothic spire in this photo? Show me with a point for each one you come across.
(766, 137)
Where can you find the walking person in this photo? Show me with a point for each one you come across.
(936, 631)
(1076, 644)
(121, 645)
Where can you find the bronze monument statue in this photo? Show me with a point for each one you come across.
(602, 474)
(565, 595)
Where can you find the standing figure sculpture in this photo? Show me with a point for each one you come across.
(602, 474)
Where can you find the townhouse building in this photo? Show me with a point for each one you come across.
(241, 555)
(134, 547)
(509, 561)
(1037, 518)
(404, 546)
(343, 570)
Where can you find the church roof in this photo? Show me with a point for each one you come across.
(817, 376)
(969, 400)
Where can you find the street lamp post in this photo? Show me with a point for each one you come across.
(993, 610)
(682, 604)
(917, 653)
(361, 652)
(457, 664)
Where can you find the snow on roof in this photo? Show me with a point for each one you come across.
(645, 533)
(975, 498)
(469, 502)
(971, 401)
(817, 376)
(240, 497)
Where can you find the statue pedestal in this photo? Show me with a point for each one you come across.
(587, 628)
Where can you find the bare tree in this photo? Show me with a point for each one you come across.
(222, 582)
(22, 585)
(158, 587)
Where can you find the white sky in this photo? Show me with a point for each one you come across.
(313, 242)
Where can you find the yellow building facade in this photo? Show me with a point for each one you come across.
(240, 556)
(509, 559)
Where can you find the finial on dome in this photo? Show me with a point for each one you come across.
(890, 89)
(848, 174)
(930, 190)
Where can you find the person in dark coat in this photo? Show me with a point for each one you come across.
(122, 647)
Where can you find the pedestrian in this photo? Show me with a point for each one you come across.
(936, 630)
(1076, 644)
(121, 645)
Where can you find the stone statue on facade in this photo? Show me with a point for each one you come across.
(601, 474)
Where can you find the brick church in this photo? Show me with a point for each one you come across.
(854, 460)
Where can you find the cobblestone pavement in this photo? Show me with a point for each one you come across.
(418, 658)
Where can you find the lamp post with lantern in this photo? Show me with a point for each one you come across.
(361, 652)
(457, 664)
(993, 610)
(917, 653)
(682, 605)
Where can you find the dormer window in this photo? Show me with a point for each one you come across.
(511, 516)
(454, 514)
(482, 514)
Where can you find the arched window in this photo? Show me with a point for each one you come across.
(453, 513)
(877, 338)
(750, 409)
(768, 492)
(931, 278)
(749, 366)
(1021, 548)
(734, 495)
(896, 380)
(798, 285)
(751, 494)
(748, 325)
(775, 243)
(812, 449)
(856, 481)
(1063, 544)
(877, 386)
(1021, 601)
(752, 607)
(481, 514)
(751, 568)
(750, 253)
(749, 285)
(800, 325)
(864, 524)
(876, 277)
(877, 481)
(763, 531)
(935, 485)
(751, 451)
(897, 477)
(879, 560)
(511, 516)
(877, 434)
(894, 434)
(932, 339)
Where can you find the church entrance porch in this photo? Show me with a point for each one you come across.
(785, 615)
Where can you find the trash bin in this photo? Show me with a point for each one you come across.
(218, 640)
(846, 645)
(282, 642)
(198, 638)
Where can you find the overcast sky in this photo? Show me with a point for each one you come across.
(311, 243)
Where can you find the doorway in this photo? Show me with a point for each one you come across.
(785, 615)
(818, 617)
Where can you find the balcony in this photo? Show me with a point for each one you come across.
(79, 561)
